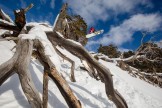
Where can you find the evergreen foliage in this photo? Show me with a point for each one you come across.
(72, 27)
(78, 28)
(128, 54)
(154, 54)
(110, 50)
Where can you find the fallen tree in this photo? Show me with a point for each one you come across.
(35, 37)
(144, 63)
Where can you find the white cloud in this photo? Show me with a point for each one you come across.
(124, 50)
(6, 9)
(41, 19)
(94, 10)
(124, 32)
(23, 4)
(43, 1)
(52, 4)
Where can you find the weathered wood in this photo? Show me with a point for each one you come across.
(22, 67)
(45, 79)
(64, 89)
(61, 83)
(20, 19)
(61, 18)
(9, 27)
(72, 77)
(45, 88)
(91, 70)
(19, 63)
(28, 8)
(4, 16)
(11, 38)
(7, 68)
(80, 51)
(24, 51)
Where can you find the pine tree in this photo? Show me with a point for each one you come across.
(110, 50)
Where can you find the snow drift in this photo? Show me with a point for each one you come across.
(90, 92)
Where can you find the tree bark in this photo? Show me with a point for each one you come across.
(64, 89)
(5, 17)
(8, 68)
(9, 27)
(19, 63)
(45, 88)
(22, 66)
(61, 83)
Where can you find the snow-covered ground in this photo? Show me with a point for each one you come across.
(90, 92)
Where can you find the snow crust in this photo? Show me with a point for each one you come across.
(91, 93)
(7, 16)
(74, 42)
(59, 34)
(55, 21)
(17, 11)
(3, 31)
(6, 22)
(38, 32)
(42, 26)
(67, 22)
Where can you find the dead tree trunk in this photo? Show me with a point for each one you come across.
(72, 77)
(9, 27)
(45, 87)
(79, 51)
(6, 69)
(57, 78)
(19, 63)
(24, 74)
(4, 16)
(65, 90)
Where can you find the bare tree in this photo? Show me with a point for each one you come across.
(144, 63)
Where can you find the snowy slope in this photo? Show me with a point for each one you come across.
(90, 92)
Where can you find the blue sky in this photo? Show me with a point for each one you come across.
(123, 21)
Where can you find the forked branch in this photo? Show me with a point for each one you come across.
(80, 51)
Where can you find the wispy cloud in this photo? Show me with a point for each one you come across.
(123, 33)
(123, 49)
(94, 10)
(46, 19)
(43, 1)
(23, 3)
(6, 9)
(52, 4)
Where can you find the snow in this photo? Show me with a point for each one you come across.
(6, 22)
(55, 21)
(6, 16)
(59, 34)
(3, 31)
(91, 93)
(74, 42)
(6, 53)
(42, 26)
(67, 22)
(141, 85)
(17, 11)
(38, 32)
